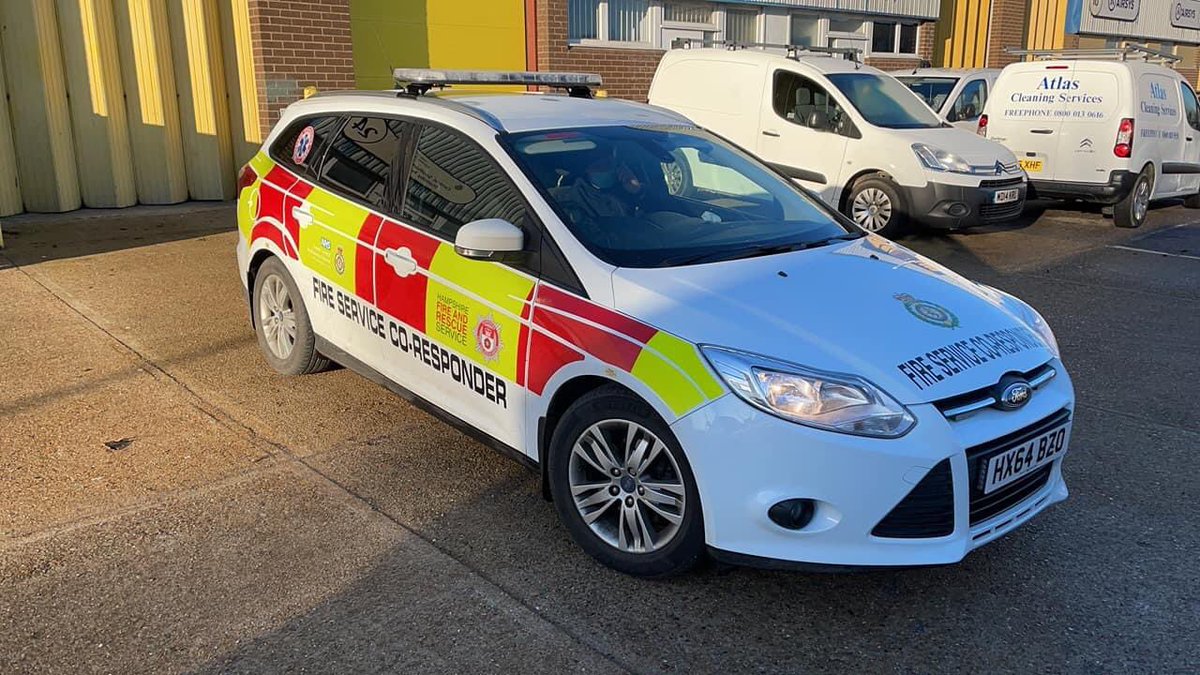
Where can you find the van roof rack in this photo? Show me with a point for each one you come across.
(1126, 53)
(418, 81)
(793, 51)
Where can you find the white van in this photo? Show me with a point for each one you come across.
(957, 94)
(851, 133)
(1119, 130)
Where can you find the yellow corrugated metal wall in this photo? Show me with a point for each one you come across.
(114, 102)
(1047, 24)
(962, 33)
(33, 66)
(10, 188)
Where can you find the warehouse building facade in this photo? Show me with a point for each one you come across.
(110, 103)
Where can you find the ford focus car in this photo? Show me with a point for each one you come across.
(697, 355)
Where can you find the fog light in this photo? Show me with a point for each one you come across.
(958, 210)
(792, 514)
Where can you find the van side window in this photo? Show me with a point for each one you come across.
(1191, 108)
(360, 157)
(300, 146)
(452, 181)
(801, 101)
(969, 104)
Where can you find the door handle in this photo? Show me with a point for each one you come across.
(401, 261)
(302, 216)
(1041, 131)
(770, 132)
(1189, 139)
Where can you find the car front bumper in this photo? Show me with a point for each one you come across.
(950, 206)
(745, 461)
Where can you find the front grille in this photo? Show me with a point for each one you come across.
(983, 397)
(984, 506)
(927, 511)
(1003, 182)
(988, 212)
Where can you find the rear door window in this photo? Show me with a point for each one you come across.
(358, 163)
(300, 146)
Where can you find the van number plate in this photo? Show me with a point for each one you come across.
(1031, 165)
(1026, 458)
(1006, 196)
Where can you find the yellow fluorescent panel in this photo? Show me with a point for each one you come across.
(457, 30)
(151, 107)
(239, 79)
(41, 122)
(195, 29)
(10, 187)
(93, 69)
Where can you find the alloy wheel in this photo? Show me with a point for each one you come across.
(277, 317)
(627, 486)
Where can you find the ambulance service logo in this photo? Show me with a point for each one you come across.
(339, 261)
(487, 338)
(304, 144)
(928, 311)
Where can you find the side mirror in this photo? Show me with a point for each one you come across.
(487, 238)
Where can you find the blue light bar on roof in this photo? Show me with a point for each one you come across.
(420, 80)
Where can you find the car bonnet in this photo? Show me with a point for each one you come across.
(867, 307)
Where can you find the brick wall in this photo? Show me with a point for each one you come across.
(626, 72)
(298, 43)
(1007, 30)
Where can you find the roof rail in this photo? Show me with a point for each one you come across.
(793, 51)
(1126, 53)
(417, 81)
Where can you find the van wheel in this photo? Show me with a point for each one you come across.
(284, 333)
(623, 488)
(1192, 201)
(1132, 210)
(874, 205)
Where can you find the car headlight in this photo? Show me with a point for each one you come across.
(831, 401)
(1035, 321)
(935, 159)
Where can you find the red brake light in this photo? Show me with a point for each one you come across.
(1124, 146)
(246, 178)
(983, 122)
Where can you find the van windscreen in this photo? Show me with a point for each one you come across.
(933, 90)
(884, 102)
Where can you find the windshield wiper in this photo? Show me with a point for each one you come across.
(757, 251)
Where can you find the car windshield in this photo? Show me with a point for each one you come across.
(884, 102)
(933, 90)
(667, 196)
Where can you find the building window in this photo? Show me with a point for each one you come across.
(613, 20)
(741, 25)
(687, 12)
(845, 26)
(889, 37)
(627, 20)
(805, 30)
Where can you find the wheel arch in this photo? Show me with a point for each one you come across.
(848, 187)
(257, 258)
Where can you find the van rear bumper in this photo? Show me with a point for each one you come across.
(1119, 184)
(950, 207)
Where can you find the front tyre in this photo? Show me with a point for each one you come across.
(623, 488)
(874, 204)
(284, 333)
(1132, 210)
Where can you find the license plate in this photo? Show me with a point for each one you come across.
(1006, 196)
(1026, 458)
(1031, 165)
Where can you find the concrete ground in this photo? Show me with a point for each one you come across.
(168, 504)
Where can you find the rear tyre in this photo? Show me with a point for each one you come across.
(284, 333)
(1133, 209)
(874, 204)
(623, 488)
(1192, 202)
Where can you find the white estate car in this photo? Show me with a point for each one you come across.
(1114, 127)
(696, 354)
(851, 133)
(957, 94)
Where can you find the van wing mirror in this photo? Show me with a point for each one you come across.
(488, 238)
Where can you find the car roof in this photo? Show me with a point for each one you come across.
(821, 63)
(511, 112)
